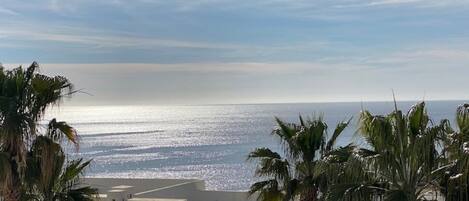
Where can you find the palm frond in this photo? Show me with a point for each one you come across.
(267, 191)
(462, 118)
(263, 153)
(58, 130)
(338, 130)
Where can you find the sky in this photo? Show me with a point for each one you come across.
(243, 51)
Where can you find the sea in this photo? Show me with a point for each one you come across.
(209, 142)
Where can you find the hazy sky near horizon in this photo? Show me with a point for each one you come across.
(243, 51)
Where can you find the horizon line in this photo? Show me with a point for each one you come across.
(258, 103)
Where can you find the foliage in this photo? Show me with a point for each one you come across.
(405, 157)
(455, 182)
(295, 175)
(403, 160)
(50, 177)
(33, 165)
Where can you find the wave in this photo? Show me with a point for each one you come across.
(121, 133)
(110, 122)
(45, 123)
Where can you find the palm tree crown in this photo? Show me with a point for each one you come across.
(402, 159)
(295, 175)
(25, 95)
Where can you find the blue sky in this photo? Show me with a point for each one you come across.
(227, 51)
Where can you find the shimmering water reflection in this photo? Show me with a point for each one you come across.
(205, 142)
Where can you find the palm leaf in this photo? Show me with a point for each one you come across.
(59, 130)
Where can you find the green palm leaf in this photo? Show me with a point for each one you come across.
(298, 175)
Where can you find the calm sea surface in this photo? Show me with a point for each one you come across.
(205, 142)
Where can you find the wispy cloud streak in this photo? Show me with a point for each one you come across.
(100, 39)
(7, 11)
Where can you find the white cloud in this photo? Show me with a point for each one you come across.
(422, 57)
(100, 39)
(7, 11)
(242, 67)
(190, 83)
(94, 39)
(336, 10)
(392, 2)
(302, 6)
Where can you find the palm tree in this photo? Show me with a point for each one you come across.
(49, 177)
(401, 161)
(346, 175)
(294, 176)
(455, 182)
(24, 96)
(5, 169)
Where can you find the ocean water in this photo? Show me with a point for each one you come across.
(208, 142)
